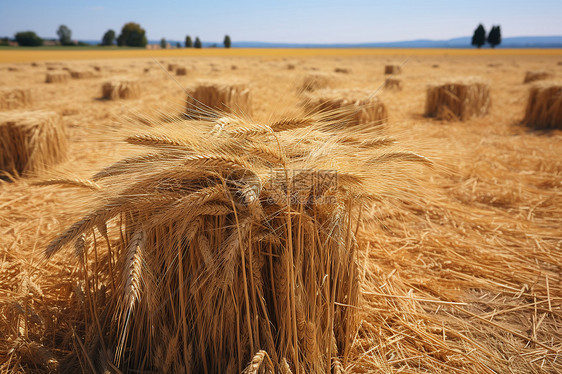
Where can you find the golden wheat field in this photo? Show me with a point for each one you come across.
(282, 211)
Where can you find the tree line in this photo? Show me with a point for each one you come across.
(132, 35)
(494, 37)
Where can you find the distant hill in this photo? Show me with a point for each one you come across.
(462, 42)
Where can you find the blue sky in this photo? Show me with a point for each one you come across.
(313, 21)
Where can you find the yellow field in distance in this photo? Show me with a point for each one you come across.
(27, 55)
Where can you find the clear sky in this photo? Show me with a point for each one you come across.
(306, 21)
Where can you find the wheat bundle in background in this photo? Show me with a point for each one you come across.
(172, 67)
(544, 107)
(392, 69)
(532, 76)
(57, 76)
(316, 81)
(392, 84)
(230, 97)
(227, 249)
(121, 89)
(181, 71)
(458, 100)
(350, 107)
(82, 74)
(14, 98)
(31, 141)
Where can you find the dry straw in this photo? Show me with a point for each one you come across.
(350, 107)
(532, 76)
(14, 98)
(392, 84)
(458, 100)
(82, 74)
(544, 107)
(230, 97)
(30, 141)
(316, 81)
(231, 249)
(57, 76)
(392, 69)
(121, 89)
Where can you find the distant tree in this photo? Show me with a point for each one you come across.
(108, 38)
(65, 35)
(197, 43)
(163, 43)
(188, 42)
(132, 35)
(479, 37)
(5, 41)
(28, 39)
(227, 41)
(178, 45)
(495, 36)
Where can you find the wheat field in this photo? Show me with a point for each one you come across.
(159, 245)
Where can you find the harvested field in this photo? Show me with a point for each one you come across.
(217, 245)
(57, 76)
(533, 76)
(316, 81)
(208, 96)
(14, 98)
(348, 107)
(121, 89)
(544, 107)
(393, 69)
(30, 142)
(458, 100)
(393, 84)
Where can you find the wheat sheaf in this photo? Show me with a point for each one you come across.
(231, 245)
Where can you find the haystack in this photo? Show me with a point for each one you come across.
(544, 106)
(350, 107)
(172, 67)
(233, 97)
(14, 98)
(57, 76)
(315, 81)
(31, 141)
(121, 89)
(393, 84)
(82, 74)
(229, 249)
(458, 100)
(342, 70)
(392, 69)
(532, 76)
(181, 71)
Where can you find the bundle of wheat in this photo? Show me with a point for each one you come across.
(82, 74)
(181, 71)
(392, 69)
(233, 97)
(57, 76)
(121, 89)
(14, 98)
(458, 99)
(544, 107)
(349, 107)
(226, 239)
(30, 141)
(393, 84)
(172, 67)
(532, 76)
(315, 81)
(342, 70)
